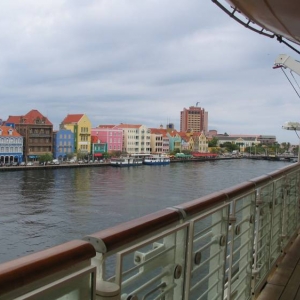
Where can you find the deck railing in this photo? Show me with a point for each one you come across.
(221, 246)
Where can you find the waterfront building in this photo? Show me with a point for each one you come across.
(195, 118)
(63, 143)
(11, 145)
(136, 138)
(267, 139)
(200, 143)
(109, 135)
(37, 132)
(98, 148)
(211, 134)
(243, 141)
(187, 142)
(80, 125)
(159, 142)
(174, 140)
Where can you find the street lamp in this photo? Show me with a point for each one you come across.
(295, 126)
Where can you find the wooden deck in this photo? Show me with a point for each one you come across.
(285, 282)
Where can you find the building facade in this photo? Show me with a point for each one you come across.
(136, 138)
(195, 119)
(37, 132)
(174, 140)
(200, 142)
(109, 135)
(63, 144)
(98, 148)
(159, 141)
(11, 145)
(81, 126)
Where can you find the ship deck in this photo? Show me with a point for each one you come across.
(285, 281)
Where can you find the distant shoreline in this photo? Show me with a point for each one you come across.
(105, 164)
(90, 165)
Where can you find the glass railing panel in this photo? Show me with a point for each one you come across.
(263, 224)
(291, 207)
(154, 268)
(206, 263)
(240, 248)
(77, 286)
(276, 221)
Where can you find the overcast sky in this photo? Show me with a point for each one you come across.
(142, 62)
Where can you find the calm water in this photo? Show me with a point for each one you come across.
(43, 208)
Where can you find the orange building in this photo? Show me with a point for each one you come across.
(194, 119)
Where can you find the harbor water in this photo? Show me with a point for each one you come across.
(44, 208)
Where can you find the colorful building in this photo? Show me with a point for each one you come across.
(11, 145)
(63, 144)
(37, 131)
(109, 135)
(195, 119)
(175, 140)
(199, 143)
(159, 142)
(98, 148)
(136, 138)
(80, 125)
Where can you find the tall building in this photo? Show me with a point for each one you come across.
(37, 131)
(80, 125)
(194, 119)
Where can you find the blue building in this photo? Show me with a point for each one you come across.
(11, 145)
(63, 144)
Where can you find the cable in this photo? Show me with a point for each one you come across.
(295, 79)
(290, 82)
(297, 134)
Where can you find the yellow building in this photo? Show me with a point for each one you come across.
(81, 126)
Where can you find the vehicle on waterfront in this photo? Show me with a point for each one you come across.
(183, 155)
(157, 160)
(126, 161)
(30, 163)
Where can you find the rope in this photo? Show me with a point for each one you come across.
(290, 82)
(297, 134)
(295, 79)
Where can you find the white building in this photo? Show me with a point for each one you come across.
(136, 138)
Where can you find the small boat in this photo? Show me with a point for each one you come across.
(157, 160)
(126, 162)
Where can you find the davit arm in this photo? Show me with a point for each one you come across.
(286, 61)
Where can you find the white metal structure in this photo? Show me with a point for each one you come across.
(286, 61)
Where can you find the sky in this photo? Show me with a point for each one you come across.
(142, 62)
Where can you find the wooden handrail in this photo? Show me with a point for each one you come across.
(25, 270)
(110, 239)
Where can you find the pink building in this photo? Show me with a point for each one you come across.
(110, 135)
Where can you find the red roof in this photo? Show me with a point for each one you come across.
(173, 133)
(29, 118)
(72, 118)
(157, 131)
(200, 154)
(128, 126)
(5, 130)
(106, 126)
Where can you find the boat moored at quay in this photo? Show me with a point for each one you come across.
(157, 160)
(128, 161)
